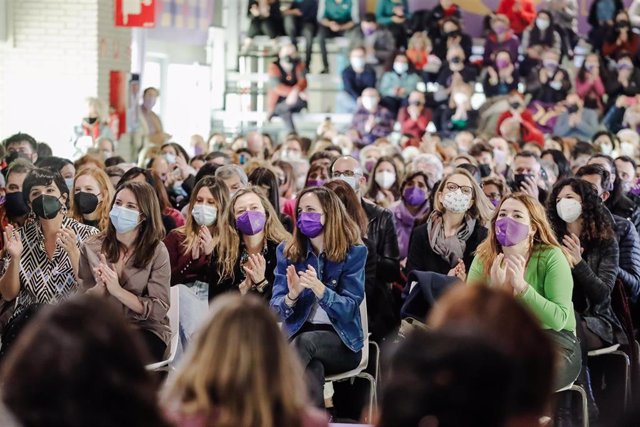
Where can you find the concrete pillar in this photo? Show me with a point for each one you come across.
(58, 53)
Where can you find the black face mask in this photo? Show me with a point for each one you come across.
(15, 205)
(572, 108)
(518, 180)
(46, 207)
(622, 24)
(456, 60)
(515, 105)
(451, 34)
(86, 202)
(15, 156)
(485, 170)
(91, 120)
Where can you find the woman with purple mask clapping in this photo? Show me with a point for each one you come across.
(245, 256)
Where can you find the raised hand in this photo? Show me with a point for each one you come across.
(498, 273)
(309, 279)
(516, 265)
(12, 242)
(293, 283)
(255, 268)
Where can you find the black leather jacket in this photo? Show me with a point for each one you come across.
(382, 269)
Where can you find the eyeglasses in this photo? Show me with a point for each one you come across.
(452, 186)
(494, 196)
(338, 174)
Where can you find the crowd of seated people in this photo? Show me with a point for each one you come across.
(528, 202)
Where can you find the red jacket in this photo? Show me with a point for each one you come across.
(519, 20)
(529, 132)
(415, 128)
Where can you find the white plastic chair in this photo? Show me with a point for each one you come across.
(358, 372)
(174, 322)
(583, 397)
(614, 351)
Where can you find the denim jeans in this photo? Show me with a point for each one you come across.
(194, 305)
(322, 352)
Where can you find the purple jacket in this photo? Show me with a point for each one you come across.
(404, 222)
(511, 44)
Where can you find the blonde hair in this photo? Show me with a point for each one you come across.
(240, 370)
(106, 191)
(481, 209)
(100, 108)
(340, 230)
(191, 228)
(543, 235)
(228, 248)
(417, 38)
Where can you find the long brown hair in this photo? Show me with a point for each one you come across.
(228, 248)
(240, 370)
(106, 191)
(191, 228)
(374, 187)
(543, 234)
(340, 231)
(482, 209)
(351, 203)
(150, 230)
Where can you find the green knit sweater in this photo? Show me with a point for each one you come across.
(550, 287)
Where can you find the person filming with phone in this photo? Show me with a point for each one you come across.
(528, 175)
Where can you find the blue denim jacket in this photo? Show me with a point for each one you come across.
(342, 296)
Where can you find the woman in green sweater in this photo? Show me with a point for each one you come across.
(522, 255)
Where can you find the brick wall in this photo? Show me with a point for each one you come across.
(58, 53)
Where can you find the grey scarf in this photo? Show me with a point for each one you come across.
(449, 248)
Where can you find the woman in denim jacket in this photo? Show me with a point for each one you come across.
(319, 286)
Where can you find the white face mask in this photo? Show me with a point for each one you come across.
(170, 158)
(357, 63)
(370, 102)
(569, 210)
(627, 149)
(556, 85)
(542, 23)
(460, 98)
(351, 180)
(204, 214)
(456, 201)
(385, 179)
(400, 67)
(606, 149)
(291, 155)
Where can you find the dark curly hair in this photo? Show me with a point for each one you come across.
(597, 221)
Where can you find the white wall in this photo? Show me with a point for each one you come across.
(58, 53)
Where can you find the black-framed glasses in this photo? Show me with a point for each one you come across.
(338, 174)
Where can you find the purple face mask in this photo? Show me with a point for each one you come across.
(316, 182)
(510, 232)
(309, 224)
(502, 63)
(251, 222)
(369, 165)
(495, 202)
(414, 196)
(635, 190)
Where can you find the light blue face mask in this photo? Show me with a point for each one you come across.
(123, 219)
(204, 214)
(170, 158)
(69, 182)
(351, 180)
